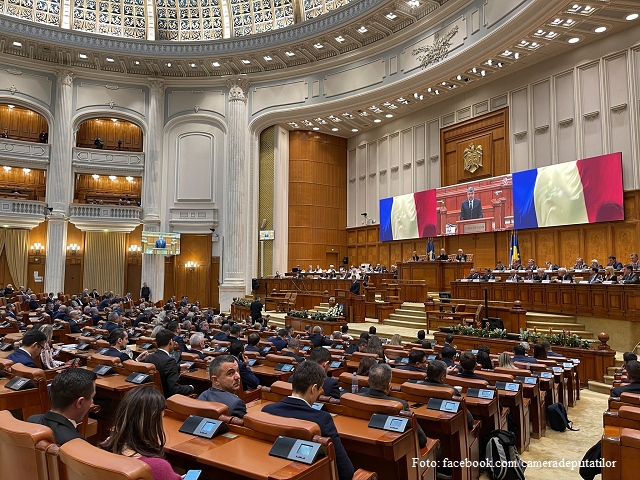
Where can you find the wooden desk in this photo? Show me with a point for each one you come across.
(438, 275)
(299, 324)
(31, 401)
(113, 386)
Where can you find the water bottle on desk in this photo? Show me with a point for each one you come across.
(354, 383)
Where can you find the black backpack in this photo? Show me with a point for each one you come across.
(557, 416)
(587, 470)
(502, 455)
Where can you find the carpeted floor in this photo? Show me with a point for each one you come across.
(554, 446)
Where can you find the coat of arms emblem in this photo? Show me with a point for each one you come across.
(472, 158)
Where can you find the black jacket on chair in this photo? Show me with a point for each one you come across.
(63, 429)
(633, 387)
(169, 373)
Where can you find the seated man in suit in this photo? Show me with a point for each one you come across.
(279, 341)
(473, 275)
(421, 340)
(461, 256)
(551, 266)
(531, 265)
(547, 347)
(318, 339)
(437, 372)
(234, 333)
(225, 382)
(196, 342)
(487, 275)
(379, 387)
(448, 353)
(468, 363)
(617, 266)
(633, 372)
(540, 276)
(629, 276)
(71, 392)
(32, 344)
(113, 321)
(307, 381)
(252, 344)
(500, 266)
(167, 367)
(223, 334)
(33, 303)
(519, 356)
(161, 242)
(563, 276)
(513, 276)
(357, 346)
(595, 277)
(322, 357)
(293, 350)
(60, 314)
(249, 380)
(471, 207)
(104, 304)
(95, 316)
(118, 341)
(417, 362)
(74, 320)
(594, 263)
(443, 257)
(626, 358)
(580, 265)
(174, 327)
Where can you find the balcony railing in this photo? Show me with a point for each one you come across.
(21, 150)
(107, 212)
(19, 213)
(89, 157)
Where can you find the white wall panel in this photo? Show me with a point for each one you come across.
(34, 86)
(419, 160)
(194, 167)
(519, 130)
(196, 101)
(590, 114)
(618, 111)
(565, 118)
(394, 165)
(406, 140)
(274, 95)
(94, 95)
(352, 176)
(361, 160)
(372, 180)
(433, 158)
(541, 134)
(410, 62)
(383, 167)
(354, 78)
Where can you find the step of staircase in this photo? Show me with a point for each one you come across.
(551, 317)
(555, 326)
(414, 307)
(608, 379)
(612, 370)
(599, 387)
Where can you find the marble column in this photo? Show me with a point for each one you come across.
(59, 184)
(153, 265)
(234, 251)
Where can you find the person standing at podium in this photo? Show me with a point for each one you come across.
(161, 242)
(472, 207)
(355, 285)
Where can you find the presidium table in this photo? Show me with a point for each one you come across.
(437, 275)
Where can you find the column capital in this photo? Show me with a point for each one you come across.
(65, 76)
(156, 86)
(238, 88)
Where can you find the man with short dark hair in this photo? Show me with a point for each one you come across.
(234, 332)
(249, 380)
(547, 347)
(166, 365)
(421, 340)
(256, 309)
(437, 372)
(358, 346)
(293, 350)
(279, 341)
(633, 373)
(379, 387)
(252, 343)
(519, 356)
(372, 330)
(448, 338)
(32, 344)
(626, 358)
(223, 334)
(468, 363)
(33, 303)
(113, 321)
(307, 381)
(448, 353)
(118, 339)
(629, 275)
(322, 357)
(417, 362)
(71, 393)
(174, 327)
(225, 382)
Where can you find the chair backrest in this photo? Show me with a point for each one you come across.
(139, 367)
(279, 358)
(370, 406)
(19, 370)
(22, 448)
(466, 382)
(345, 379)
(189, 357)
(426, 391)
(5, 365)
(79, 460)
(513, 371)
(280, 426)
(282, 388)
(461, 307)
(401, 376)
(190, 406)
(97, 359)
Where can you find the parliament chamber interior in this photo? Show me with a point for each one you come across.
(319, 239)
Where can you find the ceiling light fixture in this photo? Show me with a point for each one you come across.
(95, 177)
(516, 55)
(11, 106)
(459, 77)
(318, 46)
(290, 54)
(17, 44)
(316, 128)
(391, 16)
(631, 16)
(112, 177)
(129, 179)
(389, 115)
(26, 170)
(246, 62)
(169, 64)
(377, 120)
(413, 3)
(600, 29)
(334, 129)
(136, 62)
(354, 130)
(216, 64)
(193, 65)
(363, 30)
(483, 73)
(82, 56)
(114, 120)
(574, 40)
(6, 168)
(340, 39)
(474, 70)
(110, 60)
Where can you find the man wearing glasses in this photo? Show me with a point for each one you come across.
(32, 344)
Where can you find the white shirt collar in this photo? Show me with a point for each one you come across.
(299, 398)
(163, 350)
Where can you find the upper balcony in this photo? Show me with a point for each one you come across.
(21, 152)
(112, 218)
(89, 159)
(18, 213)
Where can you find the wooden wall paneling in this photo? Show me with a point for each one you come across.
(22, 123)
(31, 185)
(110, 132)
(103, 188)
(194, 248)
(74, 263)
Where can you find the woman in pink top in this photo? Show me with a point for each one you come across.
(138, 432)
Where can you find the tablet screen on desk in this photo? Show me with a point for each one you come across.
(486, 394)
(287, 368)
(335, 364)
(304, 450)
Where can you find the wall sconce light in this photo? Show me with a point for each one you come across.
(134, 250)
(7, 168)
(190, 266)
(37, 249)
(112, 177)
(95, 177)
(26, 170)
(74, 248)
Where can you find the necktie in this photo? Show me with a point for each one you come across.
(471, 204)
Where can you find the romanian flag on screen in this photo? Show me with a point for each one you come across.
(408, 216)
(584, 191)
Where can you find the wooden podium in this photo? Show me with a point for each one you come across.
(475, 225)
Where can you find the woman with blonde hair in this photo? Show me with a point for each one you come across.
(396, 340)
(609, 275)
(504, 361)
(46, 355)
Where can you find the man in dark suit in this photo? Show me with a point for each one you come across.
(551, 266)
(355, 285)
(633, 372)
(33, 303)
(468, 363)
(473, 275)
(415, 257)
(437, 372)
(234, 333)
(318, 339)
(487, 275)
(249, 380)
(380, 386)
(563, 276)
(461, 256)
(635, 264)
(223, 334)
(617, 266)
(113, 321)
(160, 242)
(519, 356)
(322, 357)
(280, 340)
(167, 367)
(174, 327)
(118, 341)
(357, 346)
(580, 265)
(629, 275)
(74, 320)
(531, 265)
(293, 350)
(595, 277)
(307, 381)
(104, 304)
(417, 362)
(421, 340)
(225, 382)
(71, 393)
(252, 344)
(500, 266)
(95, 316)
(547, 347)
(32, 344)
(448, 353)
(540, 276)
(471, 207)
(60, 314)
(256, 309)
(514, 277)
(11, 309)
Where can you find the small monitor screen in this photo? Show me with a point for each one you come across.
(140, 377)
(207, 427)
(267, 234)
(160, 243)
(287, 368)
(449, 406)
(335, 364)
(396, 423)
(486, 394)
(512, 387)
(304, 450)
